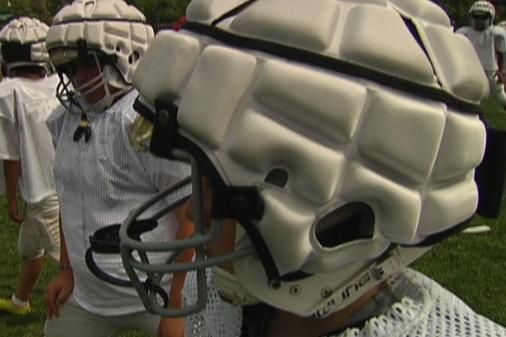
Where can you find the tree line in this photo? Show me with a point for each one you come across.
(162, 12)
(158, 12)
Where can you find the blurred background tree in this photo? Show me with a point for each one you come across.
(158, 12)
(41, 9)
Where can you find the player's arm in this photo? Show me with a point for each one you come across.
(64, 264)
(12, 172)
(185, 231)
(9, 150)
(175, 327)
(61, 287)
(500, 49)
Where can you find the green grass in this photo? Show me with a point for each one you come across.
(473, 266)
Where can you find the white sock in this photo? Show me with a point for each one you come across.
(18, 302)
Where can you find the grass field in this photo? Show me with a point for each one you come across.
(471, 265)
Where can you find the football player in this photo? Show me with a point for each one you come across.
(95, 46)
(332, 143)
(27, 98)
(489, 41)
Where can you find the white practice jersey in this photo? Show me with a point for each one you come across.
(486, 43)
(98, 183)
(25, 104)
(424, 309)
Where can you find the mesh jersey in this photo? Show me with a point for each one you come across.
(25, 104)
(99, 182)
(486, 43)
(425, 309)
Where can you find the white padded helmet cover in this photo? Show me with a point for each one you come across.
(482, 6)
(340, 137)
(27, 31)
(111, 26)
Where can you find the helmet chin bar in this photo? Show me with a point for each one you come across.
(107, 241)
(134, 251)
(199, 240)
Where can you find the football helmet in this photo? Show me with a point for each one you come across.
(344, 148)
(482, 14)
(22, 43)
(107, 33)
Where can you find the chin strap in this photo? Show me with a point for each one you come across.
(230, 288)
(83, 129)
(378, 272)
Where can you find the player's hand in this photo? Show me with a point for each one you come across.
(171, 327)
(15, 213)
(58, 292)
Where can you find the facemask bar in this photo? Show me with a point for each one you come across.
(78, 94)
(72, 96)
(65, 94)
(106, 240)
(481, 20)
(198, 241)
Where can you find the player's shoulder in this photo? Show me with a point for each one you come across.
(464, 30)
(46, 85)
(57, 117)
(125, 105)
(498, 31)
(51, 81)
(8, 86)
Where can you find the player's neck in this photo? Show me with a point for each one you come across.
(285, 324)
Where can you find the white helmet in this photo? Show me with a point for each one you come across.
(482, 14)
(115, 33)
(22, 43)
(342, 155)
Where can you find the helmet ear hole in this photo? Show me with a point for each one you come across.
(277, 177)
(133, 57)
(353, 221)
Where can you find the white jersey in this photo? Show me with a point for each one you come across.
(423, 309)
(99, 182)
(486, 43)
(25, 104)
